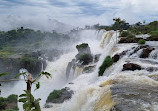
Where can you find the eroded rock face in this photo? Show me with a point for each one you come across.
(131, 66)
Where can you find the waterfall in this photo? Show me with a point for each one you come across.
(116, 89)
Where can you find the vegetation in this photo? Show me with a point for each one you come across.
(127, 34)
(28, 100)
(141, 41)
(9, 104)
(85, 58)
(83, 45)
(54, 95)
(108, 61)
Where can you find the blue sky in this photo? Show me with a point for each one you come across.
(78, 12)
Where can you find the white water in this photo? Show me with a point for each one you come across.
(89, 96)
(93, 93)
(56, 68)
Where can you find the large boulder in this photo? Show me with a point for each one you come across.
(131, 66)
(116, 57)
(146, 51)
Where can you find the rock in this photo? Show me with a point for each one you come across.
(116, 57)
(145, 53)
(48, 105)
(84, 59)
(131, 66)
(129, 40)
(152, 39)
(83, 48)
(88, 69)
(96, 57)
(59, 96)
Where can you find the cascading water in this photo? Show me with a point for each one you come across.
(57, 69)
(117, 90)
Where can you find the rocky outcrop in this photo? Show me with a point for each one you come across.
(59, 96)
(146, 51)
(152, 39)
(131, 66)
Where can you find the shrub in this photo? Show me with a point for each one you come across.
(83, 45)
(85, 58)
(108, 61)
(141, 41)
(154, 33)
(3, 103)
(124, 34)
(12, 98)
(54, 95)
(127, 34)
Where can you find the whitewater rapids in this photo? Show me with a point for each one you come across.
(116, 90)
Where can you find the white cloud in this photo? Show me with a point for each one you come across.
(72, 12)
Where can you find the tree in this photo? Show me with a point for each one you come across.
(2, 74)
(28, 100)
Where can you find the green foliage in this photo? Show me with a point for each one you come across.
(127, 34)
(10, 101)
(141, 41)
(120, 24)
(108, 61)
(29, 102)
(83, 45)
(154, 33)
(3, 103)
(12, 98)
(54, 95)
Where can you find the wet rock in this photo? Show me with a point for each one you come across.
(131, 66)
(48, 106)
(145, 53)
(152, 39)
(84, 55)
(129, 40)
(88, 69)
(59, 96)
(96, 57)
(116, 57)
(83, 48)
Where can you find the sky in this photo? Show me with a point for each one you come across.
(75, 12)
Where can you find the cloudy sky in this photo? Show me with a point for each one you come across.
(76, 12)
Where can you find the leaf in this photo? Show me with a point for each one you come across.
(20, 74)
(22, 95)
(2, 74)
(46, 74)
(37, 85)
(23, 100)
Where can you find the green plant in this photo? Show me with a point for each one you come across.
(141, 41)
(85, 58)
(28, 100)
(12, 98)
(124, 34)
(2, 74)
(108, 61)
(3, 103)
(54, 95)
